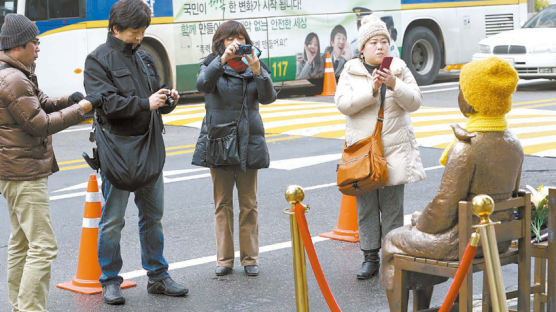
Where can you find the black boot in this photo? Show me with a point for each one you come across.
(370, 265)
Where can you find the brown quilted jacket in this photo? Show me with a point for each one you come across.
(28, 118)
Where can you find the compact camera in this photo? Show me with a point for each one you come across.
(170, 100)
(244, 49)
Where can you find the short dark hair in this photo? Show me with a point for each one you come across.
(131, 14)
(336, 30)
(225, 30)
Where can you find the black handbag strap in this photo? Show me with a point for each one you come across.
(244, 103)
(144, 68)
(146, 72)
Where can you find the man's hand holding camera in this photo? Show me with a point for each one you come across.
(163, 97)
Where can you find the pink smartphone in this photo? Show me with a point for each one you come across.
(386, 61)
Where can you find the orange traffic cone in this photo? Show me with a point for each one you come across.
(88, 269)
(329, 85)
(347, 229)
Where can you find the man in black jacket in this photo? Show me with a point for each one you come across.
(127, 80)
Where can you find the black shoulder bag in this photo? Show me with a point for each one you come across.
(223, 140)
(130, 162)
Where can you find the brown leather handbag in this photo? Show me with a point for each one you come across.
(363, 165)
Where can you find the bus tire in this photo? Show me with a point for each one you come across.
(161, 62)
(421, 52)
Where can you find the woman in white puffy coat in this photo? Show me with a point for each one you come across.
(358, 96)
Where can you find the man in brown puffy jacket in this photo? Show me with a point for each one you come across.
(28, 118)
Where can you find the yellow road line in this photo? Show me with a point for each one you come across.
(186, 112)
(187, 151)
(533, 102)
(74, 167)
(293, 117)
(532, 149)
(183, 122)
(331, 134)
(304, 125)
(463, 119)
(284, 138)
(540, 105)
(536, 134)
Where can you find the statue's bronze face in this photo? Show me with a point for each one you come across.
(464, 107)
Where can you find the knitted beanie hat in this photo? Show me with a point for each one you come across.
(487, 86)
(371, 25)
(16, 31)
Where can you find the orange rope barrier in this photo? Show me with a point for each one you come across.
(311, 253)
(464, 265)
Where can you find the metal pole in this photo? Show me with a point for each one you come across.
(483, 206)
(299, 267)
(294, 195)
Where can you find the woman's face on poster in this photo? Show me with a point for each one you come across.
(313, 45)
(375, 49)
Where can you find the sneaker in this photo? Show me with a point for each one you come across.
(166, 287)
(251, 270)
(112, 294)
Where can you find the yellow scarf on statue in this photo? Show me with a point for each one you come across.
(478, 123)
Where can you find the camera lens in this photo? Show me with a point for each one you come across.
(170, 101)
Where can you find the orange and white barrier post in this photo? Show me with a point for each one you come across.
(85, 280)
(329, 84)
(347, 229)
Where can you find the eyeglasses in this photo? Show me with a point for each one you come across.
(36, 41)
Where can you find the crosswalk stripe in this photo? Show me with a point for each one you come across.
(535, 128)
(534, 101)
(305, 125)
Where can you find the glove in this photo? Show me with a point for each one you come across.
(96, 100)
(75, 97)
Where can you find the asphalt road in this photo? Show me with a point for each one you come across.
(189, 226)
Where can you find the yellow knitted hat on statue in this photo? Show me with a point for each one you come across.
(488, 85)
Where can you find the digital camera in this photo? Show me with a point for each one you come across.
(244, 49)
(170, 100)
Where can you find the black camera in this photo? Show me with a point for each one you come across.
(244, 49)
(170, 100)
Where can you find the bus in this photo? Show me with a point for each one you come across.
(428, 34)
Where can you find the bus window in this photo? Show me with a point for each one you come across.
(36, 10)
(6, 7)
(63, 8)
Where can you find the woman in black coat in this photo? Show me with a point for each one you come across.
(234, 85)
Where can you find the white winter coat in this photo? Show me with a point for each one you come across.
(354, 98)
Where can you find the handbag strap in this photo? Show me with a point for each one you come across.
(244, 103)
(146, 72)
(380, 118)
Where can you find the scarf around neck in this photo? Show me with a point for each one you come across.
(478, 123)
(237, 65)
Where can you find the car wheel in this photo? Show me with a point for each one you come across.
(421, 52)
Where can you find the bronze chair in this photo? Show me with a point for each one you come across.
(517, 229)
(544, 298)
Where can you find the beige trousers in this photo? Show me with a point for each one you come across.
(223, 187)
(32, 245)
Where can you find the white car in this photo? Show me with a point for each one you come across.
(531, 49)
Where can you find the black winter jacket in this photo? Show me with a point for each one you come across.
(223, 88)
(113, 70)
